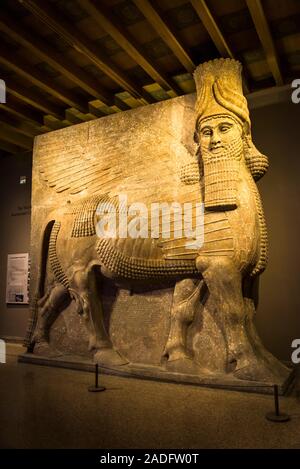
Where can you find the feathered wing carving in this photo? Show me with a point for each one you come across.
(140, 154)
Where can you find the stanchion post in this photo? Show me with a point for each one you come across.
(96, 387)
(277, 416)
(96, 375)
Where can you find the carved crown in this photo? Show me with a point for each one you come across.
(219, 90)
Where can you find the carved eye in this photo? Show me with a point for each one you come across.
(225, 127)
(206, 132)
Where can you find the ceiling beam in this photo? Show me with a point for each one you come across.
(122, 37)
(55, 124)
(42, 49)
(21, 126)
(9, 134)
(212, 28)
(9, 147)
(17, 109)
(18, 65)
(95, 111)
(32, 98)
(153, 16)
(82, 44)
(264, 34)
(215, 33)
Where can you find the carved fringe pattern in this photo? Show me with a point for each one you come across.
(220, 183)
(263, 254)
(59, 274)
(84, 212)
(189, 173)
(221, 173)
(140, 268)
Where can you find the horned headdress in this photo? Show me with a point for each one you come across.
(220, 92)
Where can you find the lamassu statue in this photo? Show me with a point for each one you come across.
(214, 284)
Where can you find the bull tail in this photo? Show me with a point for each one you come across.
(32, 321)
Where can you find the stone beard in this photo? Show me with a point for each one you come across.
(222, 159)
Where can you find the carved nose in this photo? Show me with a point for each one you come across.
(215, 140)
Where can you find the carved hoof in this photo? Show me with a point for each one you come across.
(257, 371)
(175, 353)
(109, 357)
(43, 348)
(183, 365)
(39, 337)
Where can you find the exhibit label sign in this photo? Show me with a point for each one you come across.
(17, 278)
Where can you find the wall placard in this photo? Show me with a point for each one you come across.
(17, 278)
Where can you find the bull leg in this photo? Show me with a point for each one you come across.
(186, 295)
(84, 284)
(53, 303)
(224, 283)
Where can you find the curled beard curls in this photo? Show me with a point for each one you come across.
(256, 161)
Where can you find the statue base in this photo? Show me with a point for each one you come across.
(160, 373)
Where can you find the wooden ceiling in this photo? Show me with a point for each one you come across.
(70, 61)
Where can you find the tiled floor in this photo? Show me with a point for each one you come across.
(42, 407)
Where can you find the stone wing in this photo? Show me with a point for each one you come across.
(139, 153)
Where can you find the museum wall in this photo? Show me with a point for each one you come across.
(275, 132)
(14, 235)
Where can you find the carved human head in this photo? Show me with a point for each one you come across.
(221, 135)
(222, 116)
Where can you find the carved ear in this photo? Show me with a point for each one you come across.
(246, 129)
(196, 137)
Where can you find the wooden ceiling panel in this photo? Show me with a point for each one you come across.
(71, 9)
(166, 5)
(222, 8)
(285, 26)
(288, 44)
(142, 31)
(281, 8)
(194, 35)
(123, 60)
(181, 17)
(258, 70)
(243, 40)
(127, 12)
(170, 65)
(236, 21)
(91, 29)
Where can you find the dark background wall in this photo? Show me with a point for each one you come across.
(14, 233)
(276, 132)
